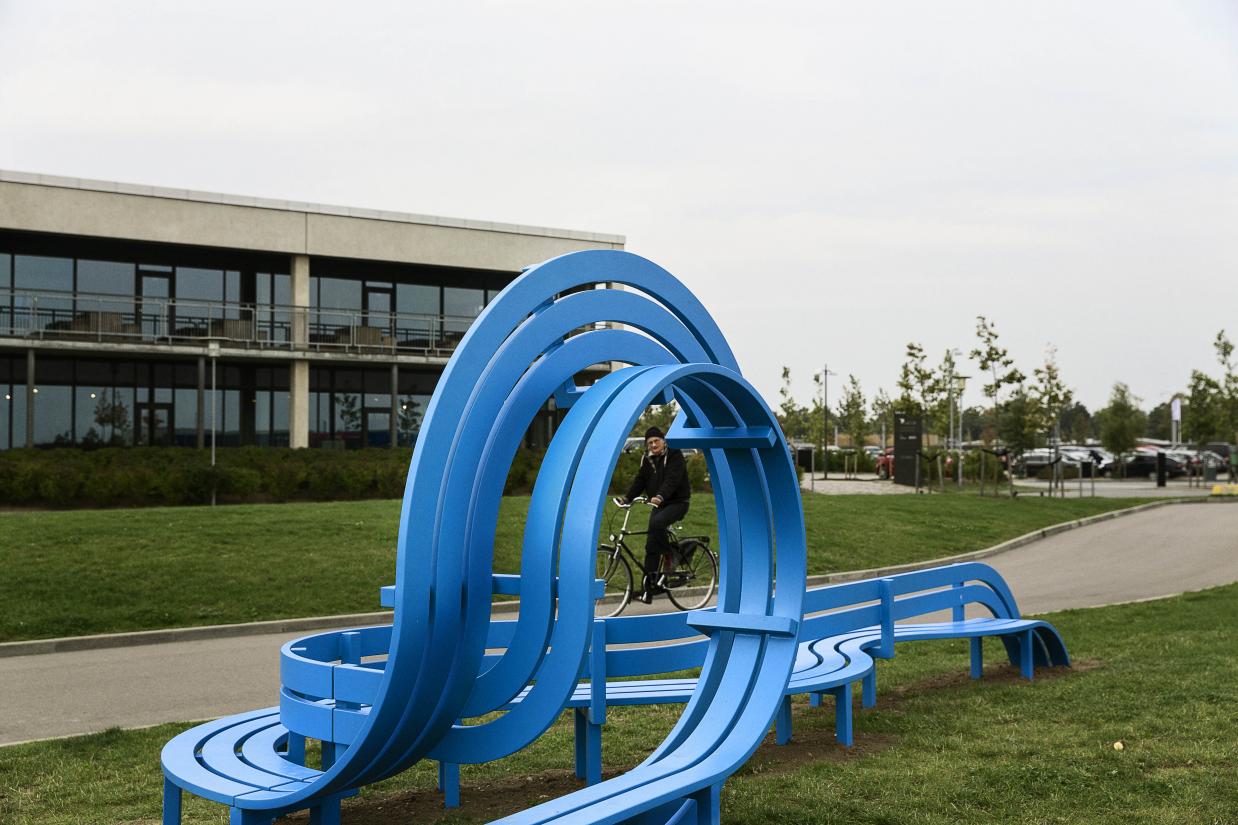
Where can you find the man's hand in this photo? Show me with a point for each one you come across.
(656, 501)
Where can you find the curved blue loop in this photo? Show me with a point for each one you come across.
(527, 342)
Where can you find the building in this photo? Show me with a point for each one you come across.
(121, 306)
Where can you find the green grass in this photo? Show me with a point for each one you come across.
(1160, 677)
(101, 571)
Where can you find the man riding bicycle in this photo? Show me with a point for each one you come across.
(663, 477)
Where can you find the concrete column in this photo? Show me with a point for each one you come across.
(298, 370)
(395, 404)
(30, 396)
(300, 301)
(298, 404)
(201, 402)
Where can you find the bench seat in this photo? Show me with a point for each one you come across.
(331, 678)
(244, 757)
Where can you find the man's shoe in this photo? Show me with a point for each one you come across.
(645, 597)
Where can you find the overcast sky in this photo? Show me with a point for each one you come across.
(832, 179)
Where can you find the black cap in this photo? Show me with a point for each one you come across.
(654, 432)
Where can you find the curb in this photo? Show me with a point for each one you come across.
(105, 641)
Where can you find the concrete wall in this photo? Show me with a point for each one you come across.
(99, 209)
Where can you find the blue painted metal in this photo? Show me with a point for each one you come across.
(382, 698)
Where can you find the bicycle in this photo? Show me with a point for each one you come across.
(689, 574)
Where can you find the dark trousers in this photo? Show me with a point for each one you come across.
(657, 542)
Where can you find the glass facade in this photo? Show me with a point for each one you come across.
(95, 403)
(161, 298)
(351, 407)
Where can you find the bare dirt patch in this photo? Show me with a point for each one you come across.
(508, 795)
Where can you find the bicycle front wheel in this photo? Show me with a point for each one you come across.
(691, 585)
(614, 569)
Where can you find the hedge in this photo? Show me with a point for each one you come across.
(173, 476)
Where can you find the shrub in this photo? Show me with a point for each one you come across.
(156, 476)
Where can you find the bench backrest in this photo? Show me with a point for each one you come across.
(329, 665)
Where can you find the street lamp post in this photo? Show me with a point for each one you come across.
(212, 349)
(958, 385)
(825, 420)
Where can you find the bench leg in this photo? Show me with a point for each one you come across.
(449, 784)
(868, 689)
(782, 722)
(708, 805)
(239, 816)
(842, 715)
(581, 722)
(171, 803)
(1026, 659)
(593, 753)
(588, 747)
(328, 813)
(328, 754)
(296, 749)
(814, 699)
(977, 657)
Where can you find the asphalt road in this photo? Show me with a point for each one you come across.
(1155, 553)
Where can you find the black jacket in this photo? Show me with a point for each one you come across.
(666, 476)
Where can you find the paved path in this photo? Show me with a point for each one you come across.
(1154, 553)
(862, 484)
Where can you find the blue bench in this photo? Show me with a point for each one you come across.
(328, 688)
(381, 699)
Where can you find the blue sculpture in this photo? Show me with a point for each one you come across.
(376, 718)
(520, 351)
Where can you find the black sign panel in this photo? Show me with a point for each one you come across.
(908, 440)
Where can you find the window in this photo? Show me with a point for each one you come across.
(464, 303)
(199, 284)
(53, 425)
(44, 274)
(337, 293)
(105, 277)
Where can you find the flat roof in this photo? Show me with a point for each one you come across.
(91, 185)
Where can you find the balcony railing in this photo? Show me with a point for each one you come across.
(120, 319)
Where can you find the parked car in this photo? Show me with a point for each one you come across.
(1142, 462)
(885, 463)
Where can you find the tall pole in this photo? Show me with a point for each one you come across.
(825, 421)
(950, 431)
(213, 350)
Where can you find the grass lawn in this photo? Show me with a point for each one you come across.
(1160, 677)
(99, 571)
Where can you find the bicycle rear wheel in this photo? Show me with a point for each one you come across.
(614, 569)
(691, 584)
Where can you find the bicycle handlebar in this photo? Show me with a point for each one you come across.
(618, 502)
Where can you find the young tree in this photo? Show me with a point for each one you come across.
(408, 421)
(883, 413)
(918, 384)
(348, 411)
(1205, 415)
(993, 358)
(851, 412)
(792, 416)
(1122, 422)
(1229, 384)
(1019, 423)
(112, 416)
(938, 394)
(1050, 393)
